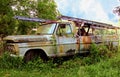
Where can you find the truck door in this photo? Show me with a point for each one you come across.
(65, 40)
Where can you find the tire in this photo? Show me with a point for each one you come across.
(34, 55)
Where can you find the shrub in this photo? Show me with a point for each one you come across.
(7, 61)
(97, 53)
(1, 47)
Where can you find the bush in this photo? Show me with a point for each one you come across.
(7, 61)
(97, 53)
(1, 47)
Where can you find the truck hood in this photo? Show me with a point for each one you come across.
(28, 38)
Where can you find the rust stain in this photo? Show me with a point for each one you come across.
(61, 48)
(78, 44)
(86, 41)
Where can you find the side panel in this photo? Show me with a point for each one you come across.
(49, 48)
(66, 45)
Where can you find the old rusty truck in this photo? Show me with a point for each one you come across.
(65, 37)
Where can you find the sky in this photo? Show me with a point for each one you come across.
(96, 10)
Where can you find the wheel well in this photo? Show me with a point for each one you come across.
(37, 52)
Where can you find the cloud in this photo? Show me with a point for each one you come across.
(67, 7)
(92, 9)
(95, 10)
(62, 6)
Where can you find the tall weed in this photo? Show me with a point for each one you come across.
(7, 61)
(97, 53)
(1, 47)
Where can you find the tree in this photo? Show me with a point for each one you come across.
(45, 9)
(31, 8)
(6, 20)
(36, 8)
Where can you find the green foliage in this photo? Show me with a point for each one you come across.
(47, 9)
(99, 50)
(97, 54)
(25, 27)
(29, 8)
(97, 64)
(105, 68)
(1, 47)
(5, 7)
(7, 61)
(6, 20)
(24, 7)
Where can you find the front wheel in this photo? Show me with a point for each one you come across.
(34, 55)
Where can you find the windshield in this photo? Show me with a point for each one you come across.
(46, 29)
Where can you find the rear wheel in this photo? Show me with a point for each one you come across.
(34, 55)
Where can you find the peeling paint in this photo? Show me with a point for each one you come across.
(86, 41)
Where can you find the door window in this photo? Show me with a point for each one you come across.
(64, 29)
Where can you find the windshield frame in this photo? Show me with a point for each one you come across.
(50, 26)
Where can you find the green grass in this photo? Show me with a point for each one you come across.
(99, 63)
(36, 73)
(105, 68)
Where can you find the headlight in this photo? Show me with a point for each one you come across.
(11, 49)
